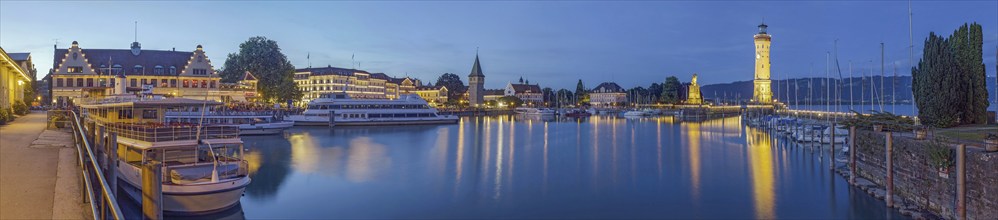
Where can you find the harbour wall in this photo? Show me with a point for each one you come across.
(919, 183)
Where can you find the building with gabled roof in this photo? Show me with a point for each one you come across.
(530, 94)
(188, 74)
(607, 94)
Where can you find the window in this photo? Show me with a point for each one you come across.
(173, 83)
(138, 69)
(58, 82)
(212, 84)
(125, 114)
(173, 70)
(75, 55)
(200, 72)
(90, 82)
(187, 84)
(204, 83)
(200, 58)
(79, 82)
(149, 114)
(112, 81)
(134, 83)
(116, 69)
(153, 83)
(158, 69)
(75, 69)
(145, 82)
(103, 69)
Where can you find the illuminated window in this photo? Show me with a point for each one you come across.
(75, 69)
(187, 84)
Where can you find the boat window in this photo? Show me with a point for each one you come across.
(149, 114)
(125, 114)
(323, 107)
(178, 156)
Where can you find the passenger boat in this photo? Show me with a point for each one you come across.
(249, 122)
(577, 113)
(339, 109)
(202, 166)
(635, 113)
(534, 111)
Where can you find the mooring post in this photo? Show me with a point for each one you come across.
(332, 118)
(831, 150)
(961, 181)
(112, 170)
(152, 191)
(852, 155)
(890, 169)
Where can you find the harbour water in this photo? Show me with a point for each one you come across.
(600, 167)
(509, 167)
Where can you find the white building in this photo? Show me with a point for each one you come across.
(607, 94)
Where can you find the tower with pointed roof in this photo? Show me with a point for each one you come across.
(476, 85)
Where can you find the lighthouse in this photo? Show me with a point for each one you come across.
(762, 93)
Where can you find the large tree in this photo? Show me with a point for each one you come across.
(262, 57)
(948, 83)
(455, 87)
(655, 91)
(548, 95)
(581, 94)
(670, 90)
(565, 97)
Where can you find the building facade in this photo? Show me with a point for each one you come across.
(476, 85)
(187, 74)
(13, 80)
(607, 94)
(435, 95)
(530, 94)
(762, 93)
(355, 83)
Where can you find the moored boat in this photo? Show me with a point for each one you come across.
(339, 109)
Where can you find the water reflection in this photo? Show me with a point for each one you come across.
(761, 163)
(505, 167)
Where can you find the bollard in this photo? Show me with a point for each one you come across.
(852, 155)
(112, 174)
(961, 181)
(152, 191)
(332, 118)
(831, 150)
(889, 153)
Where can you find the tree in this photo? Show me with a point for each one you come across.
(564, 97)
(263, 58)
(455, 87)
(670, 90)
(511, 101)
(636, 94)
(581, 94)
(655, 91)
(948, 83)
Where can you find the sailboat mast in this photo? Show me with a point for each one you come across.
(911, 58)
(881, 77)
(851, 90)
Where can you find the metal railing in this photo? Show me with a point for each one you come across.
(167, 132)
(103, 202)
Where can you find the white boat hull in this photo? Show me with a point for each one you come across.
(301, 120)
(190, 198)
(264, 128)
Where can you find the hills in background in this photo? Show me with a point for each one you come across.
(815, 90)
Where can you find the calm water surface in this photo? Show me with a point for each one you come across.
(506, 167)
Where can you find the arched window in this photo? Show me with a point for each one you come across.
(173, 70)
(158, 69)
(75, 55)
(138, 69)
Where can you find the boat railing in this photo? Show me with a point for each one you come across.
(100, 196)
(172, 131)
(221, 113)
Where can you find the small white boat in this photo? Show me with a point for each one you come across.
(534, 111)
(635, 113)
(249, 122)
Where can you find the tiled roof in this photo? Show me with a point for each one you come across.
(524, 88)
(19, 56)
(331, 71)
(495, 92)
(148, 59)
(610, 86)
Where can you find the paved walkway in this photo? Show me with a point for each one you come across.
(38, 172)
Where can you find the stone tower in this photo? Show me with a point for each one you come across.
(476, 84)
(762, 93)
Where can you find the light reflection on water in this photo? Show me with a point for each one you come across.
(511, 167)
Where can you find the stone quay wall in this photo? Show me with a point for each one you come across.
(918, 182)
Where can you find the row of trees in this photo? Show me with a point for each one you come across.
(949, 81)
(666, 92)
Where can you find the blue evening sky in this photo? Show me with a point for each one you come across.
(551, 43)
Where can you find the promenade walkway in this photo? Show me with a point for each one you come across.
(38, 172)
